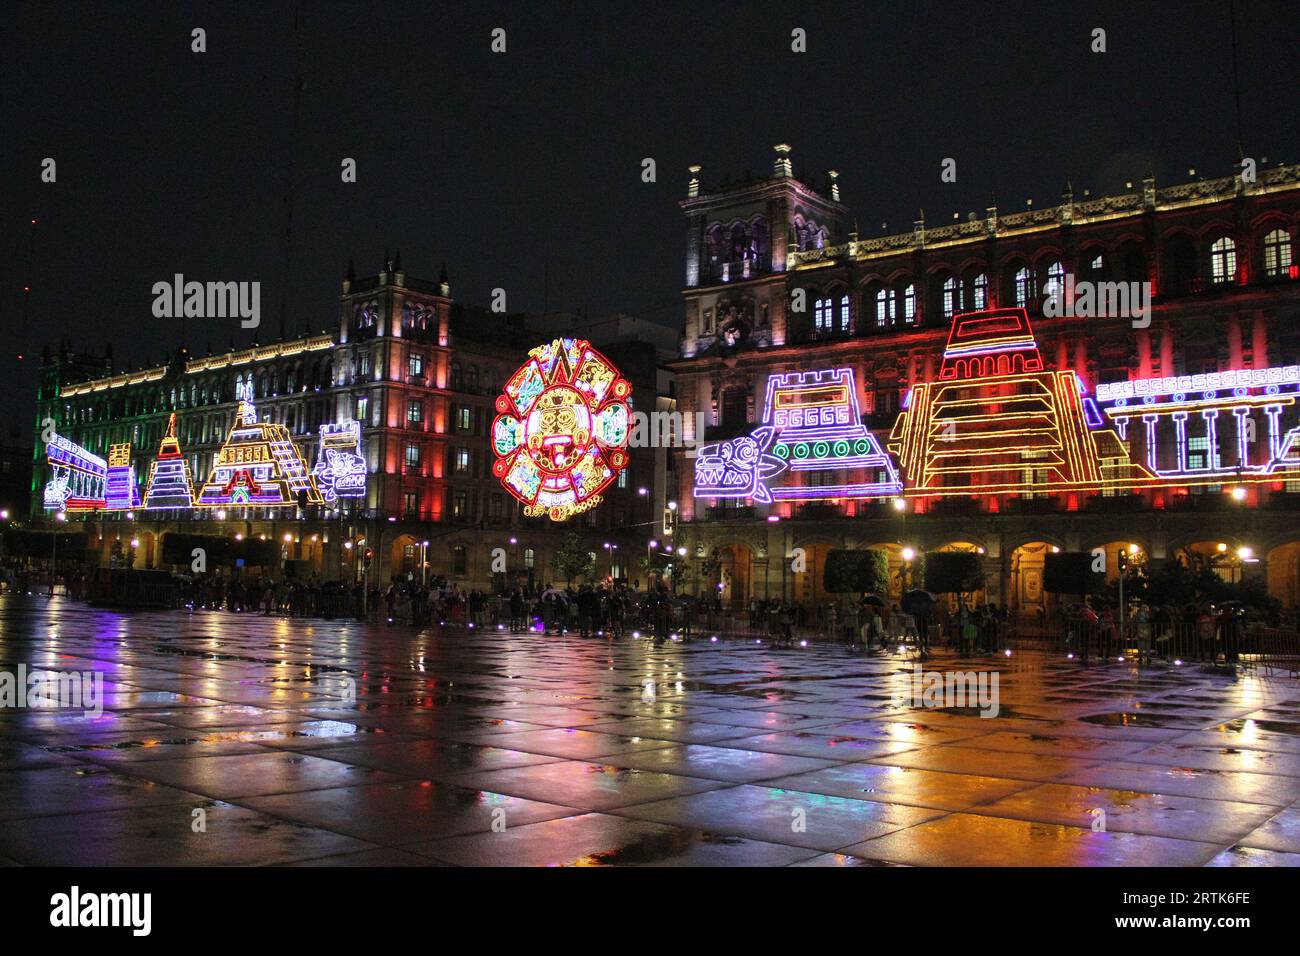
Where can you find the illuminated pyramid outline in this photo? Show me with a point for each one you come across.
(997, 416)
(175, 471)
(273, 474)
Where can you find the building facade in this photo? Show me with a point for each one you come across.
(419, 377)
(984, 331)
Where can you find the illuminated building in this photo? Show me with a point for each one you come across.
(403, 389)
(1020, 430)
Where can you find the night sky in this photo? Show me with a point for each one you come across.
(509, 167)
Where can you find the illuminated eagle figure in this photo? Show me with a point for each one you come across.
(738, 468)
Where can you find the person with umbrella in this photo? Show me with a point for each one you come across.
(920, 606)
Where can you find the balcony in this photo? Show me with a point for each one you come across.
(1033, 506)
(820, 511)
(738, 271)
(877, 508)
(1115, 504)
(1207, 502)
(957, 506)
(726, 513)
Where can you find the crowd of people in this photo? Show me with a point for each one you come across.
(1195, 631)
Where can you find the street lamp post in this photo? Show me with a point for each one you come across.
(54, 552)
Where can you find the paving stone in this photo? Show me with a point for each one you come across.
(485, 748)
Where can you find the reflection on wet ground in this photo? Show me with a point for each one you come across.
(241, 739)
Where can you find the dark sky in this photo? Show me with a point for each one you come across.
(508, 165)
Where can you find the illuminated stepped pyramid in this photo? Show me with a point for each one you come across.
(258, 465)
(170, 484)
(818, 429)
(997, 422)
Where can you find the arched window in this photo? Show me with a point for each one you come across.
(1024, 286)
(1277, 253)
(1223, 260)
(844, 312)
(1055, 285)
(950, 296)
(909, 303)
(884, 310)
(981, 290)
(823, 318)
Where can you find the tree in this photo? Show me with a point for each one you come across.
(1070, 572)
(953, 572)
(855, 572)
(178, 548)
(572, 559)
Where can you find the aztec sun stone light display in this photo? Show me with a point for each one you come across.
(560, 435)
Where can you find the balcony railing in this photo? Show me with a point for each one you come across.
(820, 511)
(738, 270)
(730, 513)
(1116, 504)
(957, 506)
(1033, 506)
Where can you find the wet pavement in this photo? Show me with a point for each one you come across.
(235, 739)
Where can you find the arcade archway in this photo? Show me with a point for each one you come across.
(1026, 595)
(735, 575)
(1284, 573)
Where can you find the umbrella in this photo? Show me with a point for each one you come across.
(875, 599)
(549, 591)
(917, 602)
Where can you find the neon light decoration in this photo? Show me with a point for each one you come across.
(738, 468)
(820, 430)
(77, 477)
(561, 432)
(258, 466)
(996, 422)
(120, 490)
(170, 483)
(811, 426)
(340, 470)
(1210, 428)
